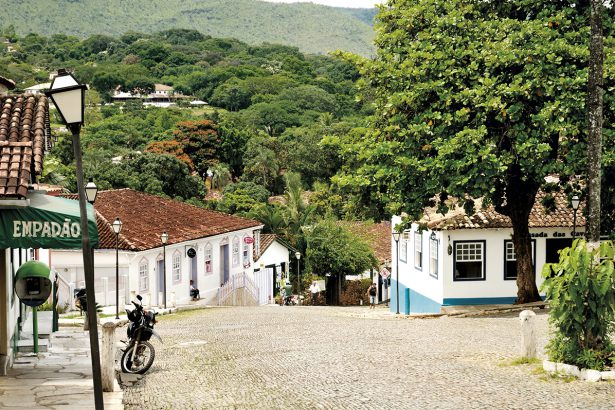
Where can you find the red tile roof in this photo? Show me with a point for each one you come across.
(562, 216)
(145, 217)
(266, 241)
(24, 138)
(377, 236)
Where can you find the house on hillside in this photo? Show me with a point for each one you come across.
(37, 89)
(465, 259)
(210, 248)
(162, 96)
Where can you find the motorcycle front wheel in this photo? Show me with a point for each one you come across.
(144, 358)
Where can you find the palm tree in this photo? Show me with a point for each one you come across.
(221, 175)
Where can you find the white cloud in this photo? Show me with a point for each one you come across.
(366, 4)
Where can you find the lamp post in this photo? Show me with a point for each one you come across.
(164, 238)
(396, 236)
(91, 191)
(117, 228)
(298, 256)
(68, 96)
(575, 205)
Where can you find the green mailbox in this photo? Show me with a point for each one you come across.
(32, 283)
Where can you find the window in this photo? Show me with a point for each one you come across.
(143, 276)
(418, 250)
(257, 243)
(176, 267)
(433, 257)
(510, 259)
(246, 253)
(208, 266)
(469, 260)
(236, 251)
(403, 249)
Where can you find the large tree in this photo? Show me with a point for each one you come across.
(475, 99)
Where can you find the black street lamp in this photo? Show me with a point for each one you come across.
(575, 206)
(396, 236)
(164, 238)
(298, 256)
(68, 96)
(91, 191)
(117, 228)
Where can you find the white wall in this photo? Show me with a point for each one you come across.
(69, 264)
(275, 254)
(444, 287)
(419, 280)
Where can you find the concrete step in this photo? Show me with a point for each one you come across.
(27, 345)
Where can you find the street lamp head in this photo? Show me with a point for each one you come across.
(68, 96)
(575, 202)
(396, 236)
(433, 235)
(210, 173)
(117, 226)
(91, 190)
(298, 255)
(164, 238)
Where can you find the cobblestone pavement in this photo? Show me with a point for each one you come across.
(330, 358)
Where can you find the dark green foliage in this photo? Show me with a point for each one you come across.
(581, 294)
(242, 197)
(333, 250)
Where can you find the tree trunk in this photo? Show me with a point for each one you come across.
(595, 119)
(527, 291)
(517, 200)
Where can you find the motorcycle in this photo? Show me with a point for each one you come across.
(139, 354)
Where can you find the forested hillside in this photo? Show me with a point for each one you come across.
(312, 28)
(269, 108)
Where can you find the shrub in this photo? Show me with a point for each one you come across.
(581, 293)
(355, 291)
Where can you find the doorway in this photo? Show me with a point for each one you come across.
(224, 271)
(158, 294)
(553, 246)
(194, 271)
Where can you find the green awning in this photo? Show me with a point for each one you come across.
(48, 222)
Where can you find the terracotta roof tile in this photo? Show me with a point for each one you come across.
(24, 138)
(266, 241)
(145, 217)
(377, 236)
(562, 216)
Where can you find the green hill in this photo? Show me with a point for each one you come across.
(312, 28)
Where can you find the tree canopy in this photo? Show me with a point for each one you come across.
(475, 99)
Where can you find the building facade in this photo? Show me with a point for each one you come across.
(455, 259)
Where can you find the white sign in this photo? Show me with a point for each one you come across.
(384, 273)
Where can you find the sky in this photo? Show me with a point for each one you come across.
(366, 4)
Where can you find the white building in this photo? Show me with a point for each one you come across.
(37, 89)
(271, 265)
(205, 246)
(470, 260)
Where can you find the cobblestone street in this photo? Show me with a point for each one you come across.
(331, 358)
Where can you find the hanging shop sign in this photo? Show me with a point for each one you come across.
(48, 222)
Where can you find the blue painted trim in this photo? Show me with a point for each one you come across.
(507, 300)
(422, 304)
(403, 298)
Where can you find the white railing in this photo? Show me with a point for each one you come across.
(237, 281)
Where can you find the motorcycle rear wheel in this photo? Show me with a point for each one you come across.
(143, 359)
